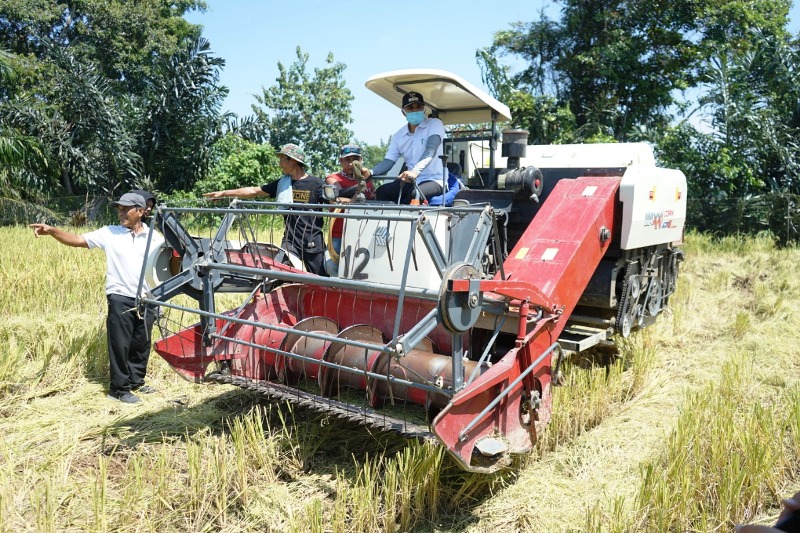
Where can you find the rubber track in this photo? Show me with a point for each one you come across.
(361, 415)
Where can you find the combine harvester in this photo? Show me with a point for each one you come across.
(446, 321)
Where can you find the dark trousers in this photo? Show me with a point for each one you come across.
(128, 343)
(389, 192)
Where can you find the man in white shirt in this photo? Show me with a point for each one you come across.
(419, 143)
(128, 330)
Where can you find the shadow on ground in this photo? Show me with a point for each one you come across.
(328, 445)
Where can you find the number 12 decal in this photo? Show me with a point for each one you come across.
(358, 270)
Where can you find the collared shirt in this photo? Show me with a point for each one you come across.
(411, 146)
(124, 256)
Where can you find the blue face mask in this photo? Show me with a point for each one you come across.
(415, 117)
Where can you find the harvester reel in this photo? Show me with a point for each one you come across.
(290, 370)
(459, 310)
(333, 381)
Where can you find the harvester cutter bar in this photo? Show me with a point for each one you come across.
(361, 415)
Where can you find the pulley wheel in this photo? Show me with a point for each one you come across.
(654, 297)
(635, 286)
(459, 310)
(626, 325)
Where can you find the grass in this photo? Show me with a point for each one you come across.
(730, 452)
(693, 426)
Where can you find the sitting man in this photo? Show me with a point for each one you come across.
(346, 183)
(419, 143)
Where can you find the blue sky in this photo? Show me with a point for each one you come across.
(368, 36)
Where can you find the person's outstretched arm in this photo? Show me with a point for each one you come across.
(64, 237)
(241, 192)
(380, 169)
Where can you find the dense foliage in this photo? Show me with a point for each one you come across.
(712, 84)
(97, 96)
(238, 162)
(115, 94)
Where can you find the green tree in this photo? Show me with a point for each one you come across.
(373, 153)
(116, 92)
(105, 157)
(181, 116)
(618, 65)
(121, 38)
(547, 121)
(310, 110)
(752, 103)
(18, 152)
(237, 162)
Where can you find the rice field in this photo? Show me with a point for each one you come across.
(696, 427)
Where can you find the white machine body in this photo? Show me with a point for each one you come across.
(376, 251)
(653, 206)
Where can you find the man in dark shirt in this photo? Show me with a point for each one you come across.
(303, 233)
(150, 200)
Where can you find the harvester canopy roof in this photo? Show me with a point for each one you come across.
(455, 100)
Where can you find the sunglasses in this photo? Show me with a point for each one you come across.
(350, 151)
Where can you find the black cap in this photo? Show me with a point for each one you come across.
(412, 98)
(146, 195)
